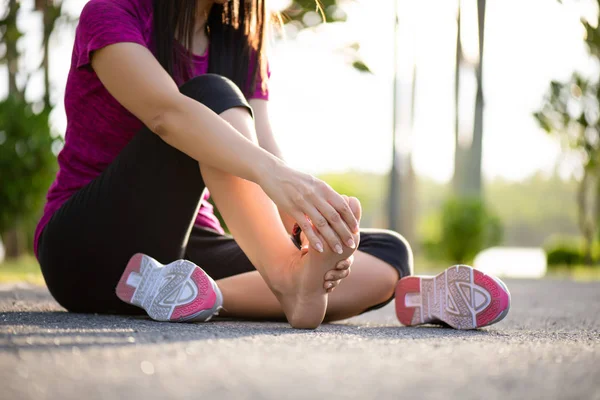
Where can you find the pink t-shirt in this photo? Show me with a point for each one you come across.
(98, 127)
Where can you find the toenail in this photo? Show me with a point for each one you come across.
(329, 285)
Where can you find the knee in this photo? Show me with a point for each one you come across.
(393, 248)
(217, 84)
(402, 250)
(215, 91)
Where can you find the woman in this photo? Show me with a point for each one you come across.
(165, 99)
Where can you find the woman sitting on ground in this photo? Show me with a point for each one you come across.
(164, 100)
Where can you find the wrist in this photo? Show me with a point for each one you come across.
(268, 168)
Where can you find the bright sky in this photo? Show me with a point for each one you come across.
(329, 117)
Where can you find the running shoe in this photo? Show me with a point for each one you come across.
(177, 292)
(461, 297)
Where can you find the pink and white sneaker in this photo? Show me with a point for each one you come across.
(180, 291)
(461, 297)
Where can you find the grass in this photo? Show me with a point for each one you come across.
(581, 273)
(24, 269)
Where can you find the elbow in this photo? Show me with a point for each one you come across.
(163, 118)
(158, 123)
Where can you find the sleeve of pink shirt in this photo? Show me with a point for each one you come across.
(106, 22)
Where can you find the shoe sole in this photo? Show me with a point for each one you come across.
(177, 292)
(462, 297)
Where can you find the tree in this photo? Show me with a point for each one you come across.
(51, 13)
(458, 149)
(27, 167)
(27, 163)
(301, 12)
(474, 180)
(467, 159)
(571, 111)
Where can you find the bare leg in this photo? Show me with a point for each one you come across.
(295, 280)
(371, 282)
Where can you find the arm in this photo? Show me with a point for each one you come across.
(180, 121)
(267, 141)
(200, 133)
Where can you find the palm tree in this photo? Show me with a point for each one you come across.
(459, 152)
(467, 160)
(474, 181)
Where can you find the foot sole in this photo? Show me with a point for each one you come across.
(461, 297)
(177, 292)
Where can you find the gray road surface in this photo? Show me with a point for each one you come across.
(547, 348)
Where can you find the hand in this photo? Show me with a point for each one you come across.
(322, 213)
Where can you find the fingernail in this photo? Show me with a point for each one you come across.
(351, 243)
(319, 247)
(356, 229)
(338, 249)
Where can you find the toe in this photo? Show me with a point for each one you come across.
(344, 264)
(355, 206)
(331, 276)
(332, 286)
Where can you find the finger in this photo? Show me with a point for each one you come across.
(338, 225)
(311, 234)
(335, 275)
(322, 226)
(345, 264)
(343, 209)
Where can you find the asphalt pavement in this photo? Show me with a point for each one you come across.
(548, 347)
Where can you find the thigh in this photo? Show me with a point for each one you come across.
(221, 257)
(145, 201)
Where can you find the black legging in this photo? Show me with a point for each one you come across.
(146, 201)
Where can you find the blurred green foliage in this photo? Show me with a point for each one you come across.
(27, 163)
(532, 211)
(300, 9)
(465, 227)
(571, 111)
(569, 251)
(309, 13)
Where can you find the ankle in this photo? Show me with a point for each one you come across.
(275, 264)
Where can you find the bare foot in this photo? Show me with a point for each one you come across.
(300, 288)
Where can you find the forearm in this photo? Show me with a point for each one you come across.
(268, 143)
(200, 133)
(266, 140)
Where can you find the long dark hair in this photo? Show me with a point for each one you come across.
(236, 31)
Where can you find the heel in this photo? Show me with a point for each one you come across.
(405, 310)
(127, 284)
